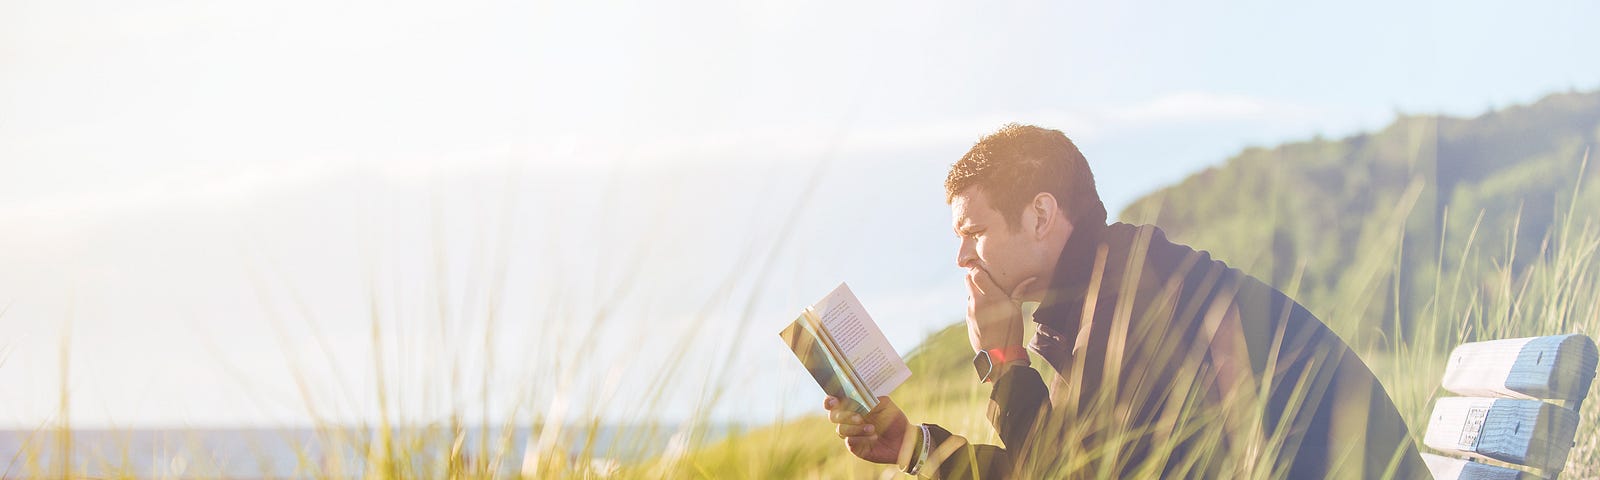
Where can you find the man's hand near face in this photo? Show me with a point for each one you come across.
(994, 317)
(876, 437)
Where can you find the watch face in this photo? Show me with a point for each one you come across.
(983, 364)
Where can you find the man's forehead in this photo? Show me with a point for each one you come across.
(969, 207)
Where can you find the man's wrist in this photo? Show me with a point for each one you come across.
(920, 456)
(1003, 346)
(991, 364)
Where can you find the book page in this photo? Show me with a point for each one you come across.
(861, 342)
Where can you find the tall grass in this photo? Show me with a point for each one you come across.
(1487, 298)
(1489, 295)
(492, 444)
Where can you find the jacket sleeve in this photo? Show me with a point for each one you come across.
(1019, 399)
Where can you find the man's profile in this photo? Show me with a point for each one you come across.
(1165, 361)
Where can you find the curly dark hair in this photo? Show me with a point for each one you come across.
(1017, 162)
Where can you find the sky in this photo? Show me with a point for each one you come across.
(541, 205)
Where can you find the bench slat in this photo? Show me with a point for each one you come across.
(1446, 468)
(1523, 432)
(1558, 367)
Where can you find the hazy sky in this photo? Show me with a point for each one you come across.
(205, 189)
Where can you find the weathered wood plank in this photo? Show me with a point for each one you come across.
(1558, 367)
(1523, 432)
(1447, 468)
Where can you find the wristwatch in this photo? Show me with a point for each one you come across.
(988, 362)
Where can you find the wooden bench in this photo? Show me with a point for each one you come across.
(1520, 407)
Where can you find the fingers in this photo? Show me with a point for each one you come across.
(979, 282)
(984, 282)
(861, 446)
(844, 416)
(972, 287)
(846, 430)
(838, 414)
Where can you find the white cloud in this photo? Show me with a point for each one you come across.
(70, 209)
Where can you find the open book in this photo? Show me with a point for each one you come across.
(845, 352)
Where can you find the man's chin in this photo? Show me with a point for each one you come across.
(1034, 292)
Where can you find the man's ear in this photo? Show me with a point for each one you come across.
(1045, 210)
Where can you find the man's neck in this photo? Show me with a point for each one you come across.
(1072, 264)
(1047, 280)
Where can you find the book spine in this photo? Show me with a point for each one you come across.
(855, 382)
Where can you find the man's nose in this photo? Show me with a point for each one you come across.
(965, 257)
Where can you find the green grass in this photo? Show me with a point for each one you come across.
(1485, 295)
(1555, 293)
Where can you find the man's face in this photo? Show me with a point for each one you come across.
(1009, 253)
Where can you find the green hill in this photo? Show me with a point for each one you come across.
(1323, 218)
(1457, 227)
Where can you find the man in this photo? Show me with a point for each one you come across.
(1166, 362)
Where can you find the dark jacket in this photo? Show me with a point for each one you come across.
(1168, 381)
